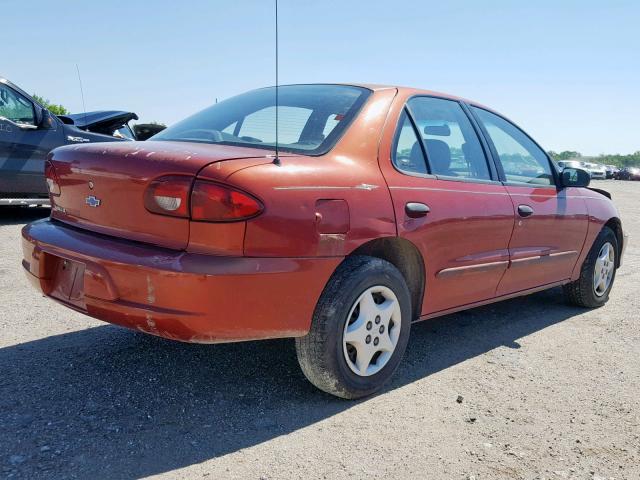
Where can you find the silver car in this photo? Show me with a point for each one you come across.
(596, 170)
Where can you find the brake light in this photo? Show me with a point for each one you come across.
(52, 179)
(168, 196)
(212, 202)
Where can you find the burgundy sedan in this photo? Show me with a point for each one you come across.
(382, 206)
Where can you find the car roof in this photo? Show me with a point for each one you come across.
(415, 91)
(408, 91)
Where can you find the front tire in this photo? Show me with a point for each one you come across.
(598, 272)
(360, 329)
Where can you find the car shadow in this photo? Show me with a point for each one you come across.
(11, 215)
(106, 399)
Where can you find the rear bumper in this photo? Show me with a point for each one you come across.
(24, 201)
(174, 294)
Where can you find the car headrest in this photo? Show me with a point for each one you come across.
(416, 156)
(439, 155)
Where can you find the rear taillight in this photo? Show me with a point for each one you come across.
(169, 196)
(206, 202)
(212, 202)
(52, 179)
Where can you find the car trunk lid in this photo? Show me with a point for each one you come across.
(102, 186)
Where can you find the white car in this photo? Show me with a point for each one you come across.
(571, 164)
(597, 171)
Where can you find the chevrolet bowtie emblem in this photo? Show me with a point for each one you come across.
(92, 201)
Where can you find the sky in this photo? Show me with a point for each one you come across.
(567, 72)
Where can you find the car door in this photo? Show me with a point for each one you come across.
(7, 139)
(551, 222)
(9, 113)
(448, 201)
(24, 145)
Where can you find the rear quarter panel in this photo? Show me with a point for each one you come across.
(326, 205)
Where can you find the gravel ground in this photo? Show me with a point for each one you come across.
(528, 388)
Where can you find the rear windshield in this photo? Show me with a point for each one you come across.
(311, 119)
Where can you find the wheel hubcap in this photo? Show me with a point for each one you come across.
(603, 269)
(372, 331)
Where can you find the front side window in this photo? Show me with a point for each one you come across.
(522, 160)
(15, 107)
(311, 119)
(453, 148)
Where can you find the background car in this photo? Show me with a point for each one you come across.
(611, 171)
(28, 132)
(144, 131)
(628, 173)
(596, 170)
(374, 208)
(571, 164)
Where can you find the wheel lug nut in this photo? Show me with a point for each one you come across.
(368, 339)
(369, 325)
(377, 319)
(381, 329)
(376, 341)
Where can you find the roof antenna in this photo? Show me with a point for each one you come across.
(84, 108)
(276, 159)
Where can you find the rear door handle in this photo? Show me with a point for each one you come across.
(525, 210)
(416, 209)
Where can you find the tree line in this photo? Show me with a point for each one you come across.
(52, 107)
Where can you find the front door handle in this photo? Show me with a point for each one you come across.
(525, 210)
(416, 209)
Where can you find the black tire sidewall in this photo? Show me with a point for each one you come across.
(354, 283)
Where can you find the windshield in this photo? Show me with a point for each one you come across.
(311, 119)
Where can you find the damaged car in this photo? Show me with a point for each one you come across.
(28, 132)
(375, 207)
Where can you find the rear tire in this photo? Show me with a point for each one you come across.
(597, 274)
(360, 329)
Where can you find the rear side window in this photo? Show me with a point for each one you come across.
(408, 156)
(521, 159)
(311, 119)
(453, 148)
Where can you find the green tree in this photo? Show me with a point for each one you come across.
(631, 160)
(56, 109)
(566, 155)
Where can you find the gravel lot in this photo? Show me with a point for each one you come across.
(548, 391)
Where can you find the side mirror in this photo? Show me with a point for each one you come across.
(46, 122)
(39, 114)
(575, 177)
